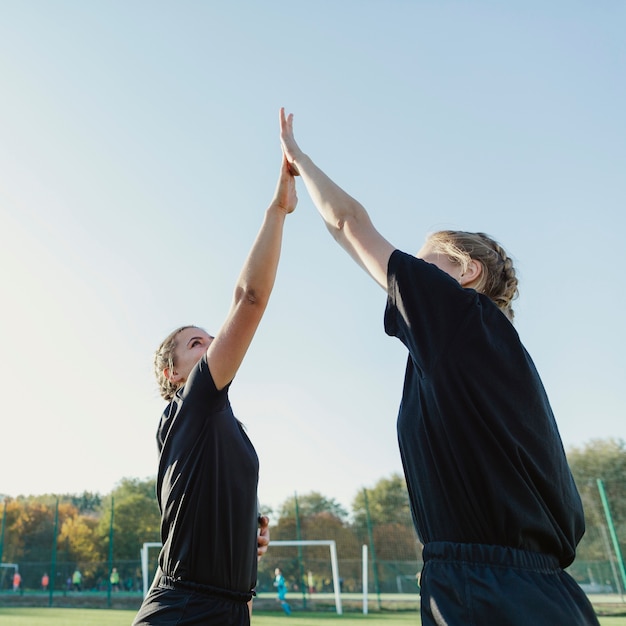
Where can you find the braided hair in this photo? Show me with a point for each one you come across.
(497, 280)
(164, 359)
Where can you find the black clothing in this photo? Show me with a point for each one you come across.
(481, 451)
(482, 455)
(170, 603)
(537, 592)
(207, 493)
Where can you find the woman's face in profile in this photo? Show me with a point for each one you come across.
(442, 261)
(191, 345)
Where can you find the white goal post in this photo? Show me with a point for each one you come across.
(15, 566)
(304, 542)
(144, 563)
(333, 561)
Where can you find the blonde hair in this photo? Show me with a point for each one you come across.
(497, 280)
(164, 359)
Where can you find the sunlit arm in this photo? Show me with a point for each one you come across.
(346, 219)
(253, 287)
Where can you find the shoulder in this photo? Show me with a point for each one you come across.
(201, 386)
(406, 267)
(414, 284)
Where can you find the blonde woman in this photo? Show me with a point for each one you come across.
(491, 493)
(208, 468)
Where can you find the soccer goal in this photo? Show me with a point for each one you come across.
(4, 568)
(333, 561)
(145, 573)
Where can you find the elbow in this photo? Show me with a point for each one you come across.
(344, 229)
(335, 229)
(249, 296)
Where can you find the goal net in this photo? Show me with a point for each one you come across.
(145, 564)
(6, 571)
(334, 567)
(146, 567)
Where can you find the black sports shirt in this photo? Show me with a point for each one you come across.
(481, 451)
(207, 489)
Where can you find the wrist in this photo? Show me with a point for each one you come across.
(277, 209)
(298, 161)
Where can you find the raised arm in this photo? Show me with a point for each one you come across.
(346, 219)
(254, 285)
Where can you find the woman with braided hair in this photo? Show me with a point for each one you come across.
(492, 496)
(211, 529)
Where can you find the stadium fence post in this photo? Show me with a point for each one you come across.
(370, 534)
(609, 521)
(53, 562)
(110, 554)
(299, 538)
(4, 515)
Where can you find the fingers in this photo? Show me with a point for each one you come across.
(263, 539)
(287, 140)
(288, 169)
(292, 169)
(285, 122)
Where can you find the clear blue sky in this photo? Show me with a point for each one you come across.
(139, 149)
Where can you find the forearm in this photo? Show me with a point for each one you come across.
(339, 210)
(347, 220)
(258, 274)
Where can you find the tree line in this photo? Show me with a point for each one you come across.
(379, 517)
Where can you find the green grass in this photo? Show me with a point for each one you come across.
(64, 617)
(101, 617)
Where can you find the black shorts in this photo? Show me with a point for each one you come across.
(480, 585)
(175, 603)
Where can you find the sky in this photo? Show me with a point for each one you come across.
(139, 150)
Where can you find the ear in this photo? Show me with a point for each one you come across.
(472, 273)
(172, 375)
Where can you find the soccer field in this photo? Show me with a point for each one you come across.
(99, 617)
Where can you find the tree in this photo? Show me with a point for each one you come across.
(86, 502)
(388, 503)
(18, 523)
(389, 512)
(311, 504)
(136, 518)
(599, 458)
(603, 459)
(78, 541)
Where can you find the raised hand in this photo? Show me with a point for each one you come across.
(285, 195)
(263, 538)
(291, 149)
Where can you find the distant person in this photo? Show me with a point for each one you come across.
(492, 496)
(45, 581)
(77, 580)
(17, 581)
(281, 589)
(115, 580)
(208, 468)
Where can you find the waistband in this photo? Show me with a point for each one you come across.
(167, 582)
(492, 555)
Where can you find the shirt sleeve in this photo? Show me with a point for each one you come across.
(426, 308)
(200, 388)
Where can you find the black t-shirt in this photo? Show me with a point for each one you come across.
(207, 489)
(481, 451)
